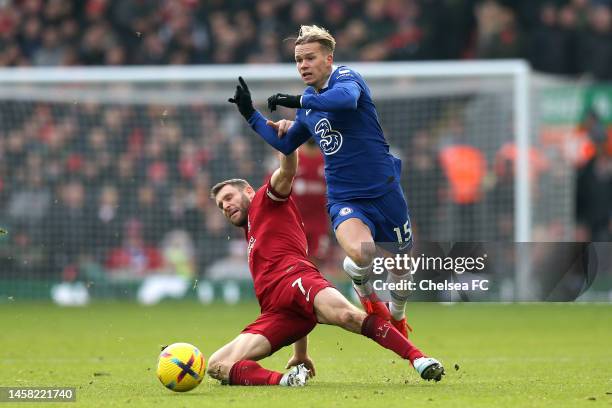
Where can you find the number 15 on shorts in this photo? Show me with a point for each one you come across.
(404, 235)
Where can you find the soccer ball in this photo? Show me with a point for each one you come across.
(180, 367)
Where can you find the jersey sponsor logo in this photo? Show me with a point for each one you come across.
(250, 246)
(345, 211)
(331, 140)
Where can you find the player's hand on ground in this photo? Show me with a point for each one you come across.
(281, 127)
(242, 99)
(288, 101)
(295, 360)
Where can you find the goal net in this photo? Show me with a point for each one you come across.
(105, 172)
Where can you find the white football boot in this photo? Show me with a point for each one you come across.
(429, 368)
(296, 377)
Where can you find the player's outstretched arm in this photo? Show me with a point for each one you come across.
(242, 99)
(343, 96)
(294, 138)
(281, 127)
(296, 135)
(282, 178)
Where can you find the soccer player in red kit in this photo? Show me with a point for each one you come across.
(309, 194)
(292, 293)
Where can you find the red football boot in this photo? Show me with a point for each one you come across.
(402, 326)
(373, 305)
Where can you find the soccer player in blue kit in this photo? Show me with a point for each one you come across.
(365, 200)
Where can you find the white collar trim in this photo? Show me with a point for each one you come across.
(334, 68)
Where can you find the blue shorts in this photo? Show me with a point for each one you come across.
(387, 217)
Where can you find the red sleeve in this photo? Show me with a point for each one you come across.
(273, 194)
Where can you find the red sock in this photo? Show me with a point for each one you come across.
(247, 372)
(383, 332)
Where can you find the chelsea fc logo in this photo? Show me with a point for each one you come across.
(346, 211)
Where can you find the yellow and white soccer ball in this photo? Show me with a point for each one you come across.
(181, 367)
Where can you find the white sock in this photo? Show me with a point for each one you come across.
(399, 297)
(360, 276)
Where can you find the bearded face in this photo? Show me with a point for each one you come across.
(239, 218)
(235, 204)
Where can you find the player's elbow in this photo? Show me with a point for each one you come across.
(286, 149)
(350, 100)
(347, 104)
(351, 103)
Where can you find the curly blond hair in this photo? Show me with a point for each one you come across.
(313, 33)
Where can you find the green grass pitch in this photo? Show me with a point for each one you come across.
(545, 355)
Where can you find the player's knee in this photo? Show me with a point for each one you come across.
(361, 254)
(351, 319)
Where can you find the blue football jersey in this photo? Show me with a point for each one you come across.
(343, 120)
(357, 159)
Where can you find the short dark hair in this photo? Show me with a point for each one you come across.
(239, 183)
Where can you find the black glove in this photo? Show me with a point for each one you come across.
(288, 101)
(242, 99)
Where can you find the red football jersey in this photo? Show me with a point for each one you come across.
(309, 190)
(276, 239)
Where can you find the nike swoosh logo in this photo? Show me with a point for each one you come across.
(308, 294)
(308, 111)
(386, 329)
(406, 245)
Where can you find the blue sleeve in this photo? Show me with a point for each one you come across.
(287, 144)
(342, 96)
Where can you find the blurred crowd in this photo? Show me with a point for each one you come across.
(95, 192)
(570, 37)
(92, 191)
(125, 189)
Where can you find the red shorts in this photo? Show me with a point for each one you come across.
(288, 314)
